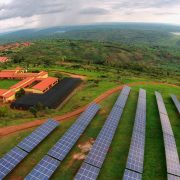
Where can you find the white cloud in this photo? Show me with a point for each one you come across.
(17, 14)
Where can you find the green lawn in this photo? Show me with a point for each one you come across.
(7, 83)
(114, 165)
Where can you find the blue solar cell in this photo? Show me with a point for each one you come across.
(30, 142)
(131, 175)
(87, 172)
(10, 161)
(44, 169)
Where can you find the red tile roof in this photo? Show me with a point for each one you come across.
(45, 83)
(24, 83)
(6, 93)
(3, 59)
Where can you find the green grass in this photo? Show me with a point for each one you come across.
(114, 165)
(7, 83)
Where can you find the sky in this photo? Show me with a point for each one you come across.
(24, 14)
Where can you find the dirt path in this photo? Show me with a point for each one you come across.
(12, 129)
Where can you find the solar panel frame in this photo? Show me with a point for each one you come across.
(87, 172)
(44, 169)
(31, 141)
(131, 175)
(11, 160)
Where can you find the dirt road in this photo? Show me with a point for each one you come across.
(12, 129)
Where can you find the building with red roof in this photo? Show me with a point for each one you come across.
(30, 82)
(4, 59)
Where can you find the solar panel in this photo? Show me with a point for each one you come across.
(136, 152)
(98, 153)
(30, 142)
(121, 101)
(172, 177)
(126, 90)
(158, 96)
(172, 159)
(88, 115)
(165, 123)
(161, 107)
(59, 151)
(44, 169)
(131, 175)
(176, 102)
(101, 146)
(87, 172)
(64, 145)
(10, 160)
(142, 93)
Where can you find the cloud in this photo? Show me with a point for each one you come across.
(94, 11)
(28, 8)
(21, 14)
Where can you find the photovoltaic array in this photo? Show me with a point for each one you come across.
(172, 159)
(59, 151)
(91, 167)
(176, 102)
(30, 142)
(18, 153)
(134, 165)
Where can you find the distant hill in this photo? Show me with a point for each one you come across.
(130, 33)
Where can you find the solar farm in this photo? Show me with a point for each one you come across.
(92, 165)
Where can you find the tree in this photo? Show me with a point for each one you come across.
(33, 110)
(20, 93)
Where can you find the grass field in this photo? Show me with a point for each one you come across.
(6, 83)
(114, 165)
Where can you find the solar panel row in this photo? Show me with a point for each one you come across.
(59, 151)
(64, 145)
(172, 159)
(30, 142)
(136, 152)
(98, 152)
(18, 153)
(176, 102)
(10, 160)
